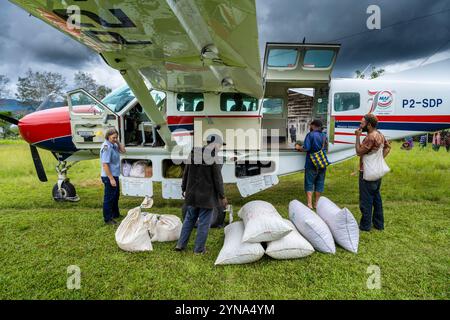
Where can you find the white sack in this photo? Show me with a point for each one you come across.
(375, 167)
(132, 234)
(138, 169)
(341, 222)
(262, 222)
(291, 246)
(166, 227)
(312, 227)
(236, 252)
(126, 169)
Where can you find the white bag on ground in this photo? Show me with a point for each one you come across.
(291, 246)
(132, 234)
(236, 252)
(375, 167)
(262, 222)
(166, 227)
(341, 222)
(138, 169)
(312, 227)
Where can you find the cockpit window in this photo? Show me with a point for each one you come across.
(238, 102)
(190, 102)
(118, 99)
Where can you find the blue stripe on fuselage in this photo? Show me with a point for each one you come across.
(401, 126)
(188, 127)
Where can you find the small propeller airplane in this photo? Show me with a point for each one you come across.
(193, 67)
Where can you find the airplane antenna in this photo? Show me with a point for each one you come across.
(364, 71)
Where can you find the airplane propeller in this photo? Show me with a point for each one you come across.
(34, 152)
(9, 119)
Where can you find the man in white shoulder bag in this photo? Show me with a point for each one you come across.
(372, 167)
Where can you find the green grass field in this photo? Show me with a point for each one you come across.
(40, 238)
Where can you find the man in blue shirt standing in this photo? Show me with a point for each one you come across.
(110, 160)
(315, 140)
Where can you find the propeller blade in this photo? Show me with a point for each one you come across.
(9, 119)
(38, 164)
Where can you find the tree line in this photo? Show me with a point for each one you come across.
(37, 86)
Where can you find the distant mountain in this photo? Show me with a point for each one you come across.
(16, 106)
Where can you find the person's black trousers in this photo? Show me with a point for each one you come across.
(111, 199)
(370, 204)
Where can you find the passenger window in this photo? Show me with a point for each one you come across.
(232, 102)
(273, 106)
(282, 58)
(160, 98)
(190, 102)
(318, 58)
(346, 101)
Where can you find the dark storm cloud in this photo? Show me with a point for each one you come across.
(332, 20)
(26, 42)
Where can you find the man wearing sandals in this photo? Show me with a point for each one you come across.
(315, 141)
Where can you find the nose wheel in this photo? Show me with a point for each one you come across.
(63, 190)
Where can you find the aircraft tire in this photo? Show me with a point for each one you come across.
(67, 191)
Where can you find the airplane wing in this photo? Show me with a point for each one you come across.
(189, 45)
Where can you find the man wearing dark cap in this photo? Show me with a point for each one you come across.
(203, 190)
(370, 202)
(315, 141)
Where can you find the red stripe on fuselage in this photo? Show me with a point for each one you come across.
(343, 142)
(408, 118)
(190, 119)
(46, 124)
(347, 134)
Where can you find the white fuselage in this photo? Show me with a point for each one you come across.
(404, 108)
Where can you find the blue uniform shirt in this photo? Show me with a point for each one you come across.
(314, 141)
(109, 153)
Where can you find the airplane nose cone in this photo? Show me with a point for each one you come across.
(45, 125)
(25, 125)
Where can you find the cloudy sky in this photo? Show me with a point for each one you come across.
(414, 35)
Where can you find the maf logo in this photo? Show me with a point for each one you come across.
(381, 100)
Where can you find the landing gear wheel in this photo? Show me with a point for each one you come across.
(67, 192)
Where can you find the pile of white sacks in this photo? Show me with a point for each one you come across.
(298, 237)
(139, 229)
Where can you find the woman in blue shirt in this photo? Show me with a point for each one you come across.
(110, 160)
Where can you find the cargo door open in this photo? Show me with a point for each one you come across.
(298, 73)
